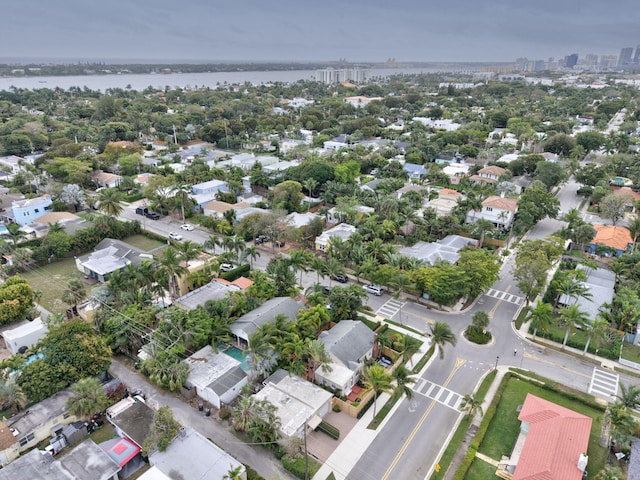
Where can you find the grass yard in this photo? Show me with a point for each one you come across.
(480, 470)
(52, 281)
(631, 352)
(143, 242)
(505, 427)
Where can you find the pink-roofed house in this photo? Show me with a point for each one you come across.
(552, 444)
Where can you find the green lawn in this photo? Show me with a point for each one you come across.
(143, 242)
(631, 352)
(504, 429)
(52, 280)
(480, 470)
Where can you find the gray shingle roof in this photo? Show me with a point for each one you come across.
(266, 312)
(348, 341)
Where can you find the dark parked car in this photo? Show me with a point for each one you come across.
(152, 215)
(142, 210)
(261, 239)
(340, 278)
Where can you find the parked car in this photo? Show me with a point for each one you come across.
(187, 226)
(373, 289)
(340, 278)
(152, 215)
(225, 267)
(261, 239)
(142, 210)
(326, 290)
(175, 236)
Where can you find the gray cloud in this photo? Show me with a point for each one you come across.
(360, 30)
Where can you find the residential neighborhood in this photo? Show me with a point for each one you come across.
(422, 276)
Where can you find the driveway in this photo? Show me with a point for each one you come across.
(260, 459)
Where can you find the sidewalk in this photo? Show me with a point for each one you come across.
(360, 438)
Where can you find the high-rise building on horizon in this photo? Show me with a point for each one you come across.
(570, 61)
(625, 56)
(636, 57)
(608, 61)
(338, 75)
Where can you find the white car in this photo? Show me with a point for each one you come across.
(225, 267)
(373, 289)
(175, 236)
(187, 226)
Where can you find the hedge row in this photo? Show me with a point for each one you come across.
(329, 429)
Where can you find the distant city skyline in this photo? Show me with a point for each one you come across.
(295, 31)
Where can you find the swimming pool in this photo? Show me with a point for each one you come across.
(240, 355)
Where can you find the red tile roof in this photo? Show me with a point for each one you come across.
(627, 191)
(556, 438)
(501, 203)
(612, 236)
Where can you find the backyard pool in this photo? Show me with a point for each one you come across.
(241, 356)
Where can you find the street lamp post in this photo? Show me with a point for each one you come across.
(497, 358)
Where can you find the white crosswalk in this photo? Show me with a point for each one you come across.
(604, 384)
(505, 296)
(390, 308)
(440, 394)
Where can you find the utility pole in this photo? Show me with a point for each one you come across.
(306, 455)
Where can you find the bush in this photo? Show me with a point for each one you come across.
(476, 335)
(297, 466)
(224, 413)
(236, 273)
(329, 429)
(336, 408)
(465, 465)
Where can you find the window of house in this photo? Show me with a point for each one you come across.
(36, 210)
(27, 439)
(489, 209)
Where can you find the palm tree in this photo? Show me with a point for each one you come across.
(471, 405)
(441, 334)
(596, 329)
(480, 320)
(403, 379)
(540, 317)
(252, 253)
(188, 250)
(88, 397)
(170, 268)
(110, 202)
(318, 357)
(299, 261)
(234, 473)
(408, 347)
(483, 226)
(634, 230)
(310, 184)
(629, 396)
(11, 394)
(181, 194)
(212, 242)
(243, 413)
(333, 267)
(376, 380)
(572, 317)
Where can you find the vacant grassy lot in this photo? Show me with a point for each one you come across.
(52, 281)
(143, 243)
(505, 427)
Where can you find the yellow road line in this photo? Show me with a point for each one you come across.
(421, 317)
(540, 359)
(459, 363)
(495, 307)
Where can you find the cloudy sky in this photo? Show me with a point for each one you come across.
(304, 30)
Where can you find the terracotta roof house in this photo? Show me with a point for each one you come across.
(445, 203)
(498, 210)
(489, 174)
(552, 444)
(611, 236)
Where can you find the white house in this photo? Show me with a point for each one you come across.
(107, 180)
(217, 377)
(342, 230)
(299, 404)
(349, 343)
(108, 256)
(25, 335)
(498, 210)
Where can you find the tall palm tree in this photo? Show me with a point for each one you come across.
(110, 202)
(629, 396)
(212, 242)
(170, 268)
(88, 397)
(408, 347)
(299, 261)
(596, 329)
(572, 317)
(441, 334)
(482, 225)
(333, 267)
(251, 253)
(188, 250)
(318, 357)
(634, 230)
(181, 194)
(470, 405)
(376, 380)
(310, 184)
(403, 379)
(540, 317)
